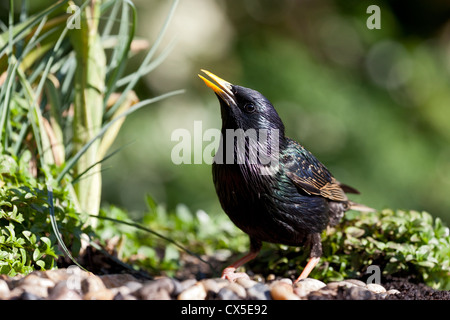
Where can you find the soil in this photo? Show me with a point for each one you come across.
(410, 290)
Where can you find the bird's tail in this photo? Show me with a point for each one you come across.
(360, 207)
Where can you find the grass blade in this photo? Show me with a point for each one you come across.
(55, 227)
(76, 157)
(153, 232)
(146, 61)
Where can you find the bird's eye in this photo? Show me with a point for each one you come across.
(249, 108)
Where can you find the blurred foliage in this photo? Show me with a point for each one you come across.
(402, 243)
(146, 245)
(64, 95)
(372, 105)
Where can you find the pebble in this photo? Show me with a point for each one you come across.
(355, 282)
(161, 289)
(359, 293)
(226, 294)
(25, 295)
(101, 294)
(334, 285)
(134, 285)
(116, 280)
(57, 275)
(74, 284)
(306, 286)
(376, 288)
(213, 286)
(195, 292)
(34, 290)
(91, 284)
(61, 291)
(35, 280)
(4, 290)
(246, 283)
(393, 291)
(238, 290)
(259, 291)
(281, 290)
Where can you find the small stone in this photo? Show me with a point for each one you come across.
(122, 290)
(375, 288)
(259, 291)
(282, 291)
(56, 275)
(34, 290)
(304, 287)
(92, 283)
(358, 293)
(62, 292)
(120, 296)
(271, 277)
(116, 280)
(227, 294)
(258, 278)
(186, 284)
(393, 291)
(101, 294)
(34, 280)
(4, 290)
(246, 283)
(195, 292)
(160, 289)
(355, 282)
(334, 285)
(286, 280)
(322, 294)
(237, 289)
(213, 286)
(28, 296)
(134, 285)
(159, 294)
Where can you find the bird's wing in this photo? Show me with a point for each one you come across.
(308, 174)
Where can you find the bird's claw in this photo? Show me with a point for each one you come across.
(230, 274)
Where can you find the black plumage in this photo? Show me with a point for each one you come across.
(290, 197)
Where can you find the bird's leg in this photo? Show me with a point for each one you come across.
(314, 256)
(229, 272)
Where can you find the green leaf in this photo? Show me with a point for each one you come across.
(47, 241)
(36, 254)
(41, 264)
(7, 165)
(23, 254)
(427, 264)
(354, 232)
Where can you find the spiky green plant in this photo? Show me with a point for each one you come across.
(56, 69)
(64, 92)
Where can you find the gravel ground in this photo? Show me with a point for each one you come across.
(74, 284)
(111, 282)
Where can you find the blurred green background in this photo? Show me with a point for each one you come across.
(372, 105)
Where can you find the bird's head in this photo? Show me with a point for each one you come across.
(243, 108)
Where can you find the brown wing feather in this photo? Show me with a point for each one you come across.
(312, 176)
(320, 187)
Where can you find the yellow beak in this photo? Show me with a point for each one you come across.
(222, 88)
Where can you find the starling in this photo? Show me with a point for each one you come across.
(286, 196)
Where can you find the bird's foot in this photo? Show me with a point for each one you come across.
(230, 274)
(309, 267)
